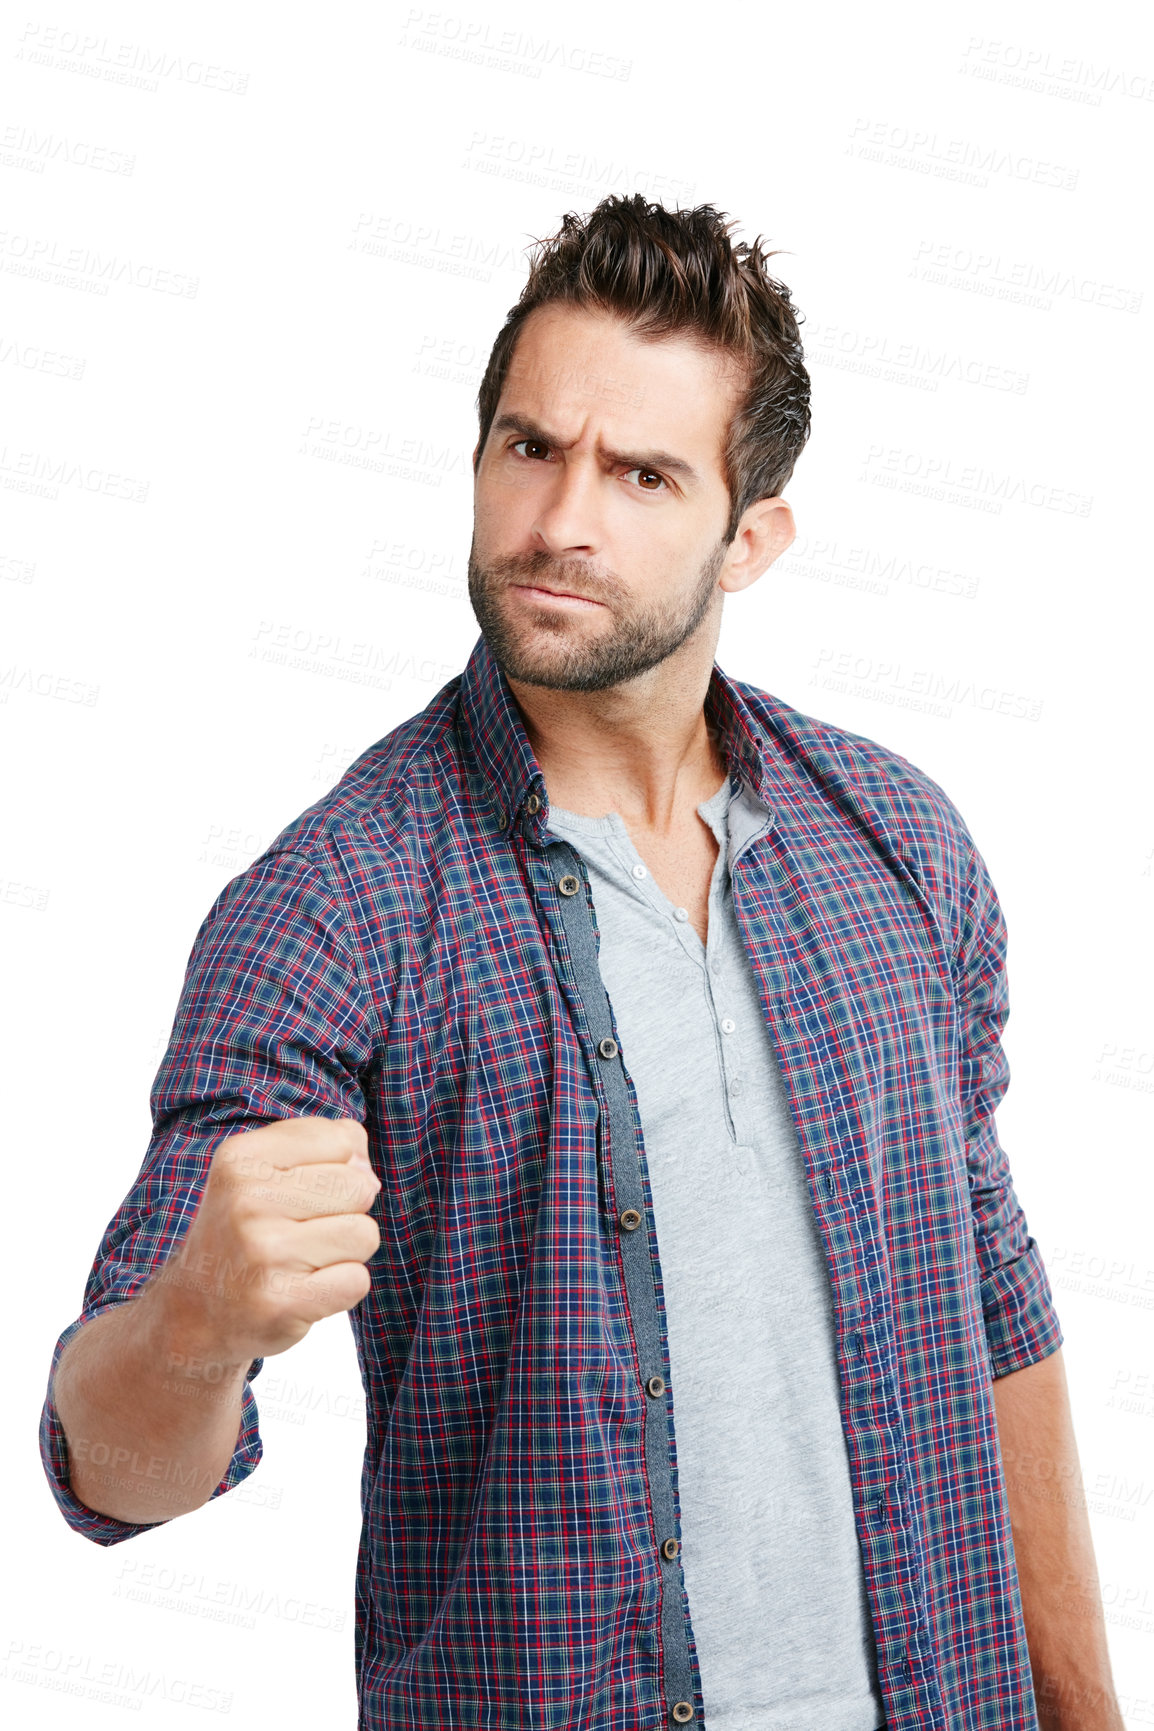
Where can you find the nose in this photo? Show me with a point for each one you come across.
(567, 518)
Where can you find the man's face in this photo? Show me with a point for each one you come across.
(600, 501)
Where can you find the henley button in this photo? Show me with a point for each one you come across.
(656, 1386)
(629, 1219)
(607, 1047)
(670, 1548)
(682, 1712)
(568, 885)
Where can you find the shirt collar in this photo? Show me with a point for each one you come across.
(496, 734)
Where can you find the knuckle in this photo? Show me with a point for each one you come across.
(368, 1238)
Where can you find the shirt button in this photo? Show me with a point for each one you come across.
(568, 885)
(728, 1024)
(656, 1386)
(639, 871)
(681, 914)
(629, 1220)
(607, 1048)
(670, 1548)
(532, 804)
(682, 1712)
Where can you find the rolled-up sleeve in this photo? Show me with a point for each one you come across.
(1017, 1304)
(272, 1023)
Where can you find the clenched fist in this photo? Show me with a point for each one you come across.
(280, 1238)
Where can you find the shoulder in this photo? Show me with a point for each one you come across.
(902, 808)
(879, 776)
(376, 818)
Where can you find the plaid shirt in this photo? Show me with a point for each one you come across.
(418, 951)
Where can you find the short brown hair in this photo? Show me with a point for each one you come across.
(677, 271)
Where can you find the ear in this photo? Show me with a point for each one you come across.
(764, 532)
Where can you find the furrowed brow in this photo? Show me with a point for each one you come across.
(662, 460)
(528, 430)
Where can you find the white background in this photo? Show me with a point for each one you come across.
(240, 243)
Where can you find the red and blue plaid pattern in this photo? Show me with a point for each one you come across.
(397, 956)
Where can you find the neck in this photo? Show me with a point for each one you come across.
(642, 748)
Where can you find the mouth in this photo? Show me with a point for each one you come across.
(554, 597)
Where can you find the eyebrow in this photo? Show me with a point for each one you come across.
(664, 460)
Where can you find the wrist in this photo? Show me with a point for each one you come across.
(180, 1336)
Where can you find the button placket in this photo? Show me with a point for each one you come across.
(728, 1038)
(637, 1263)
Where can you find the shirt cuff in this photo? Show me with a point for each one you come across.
(1018, 1307)
(107, 1529)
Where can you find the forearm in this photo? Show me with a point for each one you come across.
(1061, 1603)
(150, 1414)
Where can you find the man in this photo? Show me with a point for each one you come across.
(620, 1047)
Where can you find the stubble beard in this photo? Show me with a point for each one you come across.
(640, 637)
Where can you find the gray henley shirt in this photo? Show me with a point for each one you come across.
(769, 1546)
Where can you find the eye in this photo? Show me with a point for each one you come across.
(647, 476)
(535, 448)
